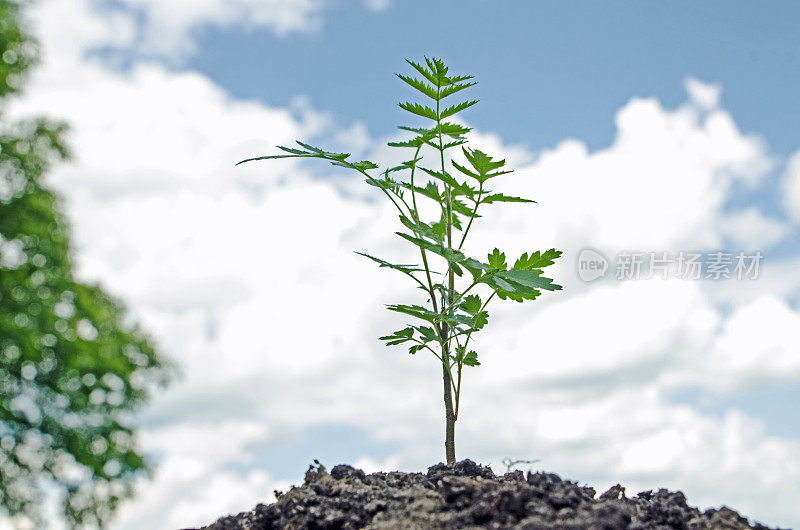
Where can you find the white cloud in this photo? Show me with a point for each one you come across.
(758, 342)
(169, 27)
(246, 276)
(751, 230)
(378, 6)
(791, 186)
(659, 186)
(704, 95)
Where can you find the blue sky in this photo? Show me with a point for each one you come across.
(636, 125)
(547, 70)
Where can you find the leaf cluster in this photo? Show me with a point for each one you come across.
(453, 310)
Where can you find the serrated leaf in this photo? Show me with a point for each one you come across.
(454, 143)
(399, 336)
(465, 171)
(439, 70)
(449, 180)
(453, 88)
(499, 197)
(451, 255)
(430, 190)
(462, 208)
(497, 260)
(420, 86)
(414, 142)
(419, 110)
(537, 260)
(432, 317)
(337, 159)
(480, 320)
(423, 71)
(471, 359)
(382, 263)
(472, 304)
(460, 78)
(530, 278)
(422, 229)
(452, 130)
(449, 111)
(428, 334)
(519, 285)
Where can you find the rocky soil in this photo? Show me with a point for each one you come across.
(470, 496)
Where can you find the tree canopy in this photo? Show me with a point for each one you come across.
(73, 368)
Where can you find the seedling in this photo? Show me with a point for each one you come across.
(444, 325)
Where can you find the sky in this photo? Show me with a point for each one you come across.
(637, 126)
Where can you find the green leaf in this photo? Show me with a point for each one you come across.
(432, 317)
(382, 263)
(465, 171)
(421, 86)
(499, 197)
(337, 159)
(428, 334)
(399, 337)
(460, 78)
(537, 260)
(430, 190)
(454, 143)
(423, 71)
(519, 285)
(408, 270)
(422, 229)
(483, 164)
(467, 359)
(439, 70)
(472, 304)
(452, 130)
(462, 208)
(530, 278)
(480, 320)
(449, 111)
(497, 260)
(419, 110)
(451, 255)
(452, 89)
(471, 359)
(448, 179)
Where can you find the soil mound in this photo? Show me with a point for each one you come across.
(468, 495)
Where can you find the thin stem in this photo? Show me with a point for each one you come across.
(458, 389)
(466, 343)
(378, 185)
(427, 347)
(471, 217)
(469, 335)
(415, 216)
(413, 191)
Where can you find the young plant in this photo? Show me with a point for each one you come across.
(454, 311)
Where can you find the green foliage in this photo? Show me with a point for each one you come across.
(72, 369)
(452, 312)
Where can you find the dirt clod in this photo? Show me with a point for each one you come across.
(471, 496)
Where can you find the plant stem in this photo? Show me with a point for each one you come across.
(450, 416)
(472, 217)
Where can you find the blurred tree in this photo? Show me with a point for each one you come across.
(72, 367)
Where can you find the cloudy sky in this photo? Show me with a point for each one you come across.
(638, 127)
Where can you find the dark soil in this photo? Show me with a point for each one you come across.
(468, 495)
